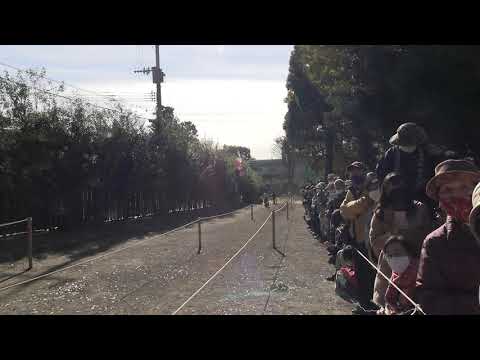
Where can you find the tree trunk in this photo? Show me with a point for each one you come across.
(329, 151)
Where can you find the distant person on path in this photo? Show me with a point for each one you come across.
(274, 198)
(266, 201)
(448, 275)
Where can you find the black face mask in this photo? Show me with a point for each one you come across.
(400, 199)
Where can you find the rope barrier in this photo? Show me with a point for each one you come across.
(277, 210)
(102, 256)
(14, 222)
(417, 306)
(215, 216)
(223, 267)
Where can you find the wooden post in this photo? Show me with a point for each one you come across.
(199, 236)
(273, 229)
(251, 211)
(29, 243)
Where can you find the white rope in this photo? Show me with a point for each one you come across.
(215, 216)
(223, 267)
(14, 222)
(99, 257)
(285, 204)
(417, 307)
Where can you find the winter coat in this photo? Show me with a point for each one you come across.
(417, 168)
(335, 203)
(406, 282)
(419, 226)
(355, 210)
(449, 271)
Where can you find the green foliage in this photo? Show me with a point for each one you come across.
(54, 150)
(234, 150)
(248, 185)
(375, 88)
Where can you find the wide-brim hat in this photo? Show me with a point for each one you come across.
(409, 134)
(356, 165)
(448, 169)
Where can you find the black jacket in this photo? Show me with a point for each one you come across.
(409, 166)
(335, 203)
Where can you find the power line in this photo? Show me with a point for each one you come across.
(96, 93)
(66, 97)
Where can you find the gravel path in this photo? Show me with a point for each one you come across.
(161, 272)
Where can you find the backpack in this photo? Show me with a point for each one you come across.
(420, 164)
(346, 283)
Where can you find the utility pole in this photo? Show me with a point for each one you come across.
(157, 77)
(159, 88)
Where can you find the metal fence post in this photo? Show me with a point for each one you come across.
(273, 229)
(251, 211)
(29, 243)
(199, 236)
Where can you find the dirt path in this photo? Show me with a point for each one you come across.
(262, 281)
(161, 272)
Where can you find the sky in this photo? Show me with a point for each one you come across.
(234, 94)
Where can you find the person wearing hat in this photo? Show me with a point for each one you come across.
(333, 205)
(339, 196)
(449, 274)
(322, 199)
(372, 186)
(318, 202)
(307, 197)
(356, 202)
(410, 157)
(395, 215)
(355, 209)
(330, 189)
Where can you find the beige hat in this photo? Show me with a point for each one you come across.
(446, 169)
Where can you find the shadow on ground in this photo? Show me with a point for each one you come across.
(92, 239)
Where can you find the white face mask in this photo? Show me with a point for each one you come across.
(374, 195)
(408, 149)
(398, 264)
